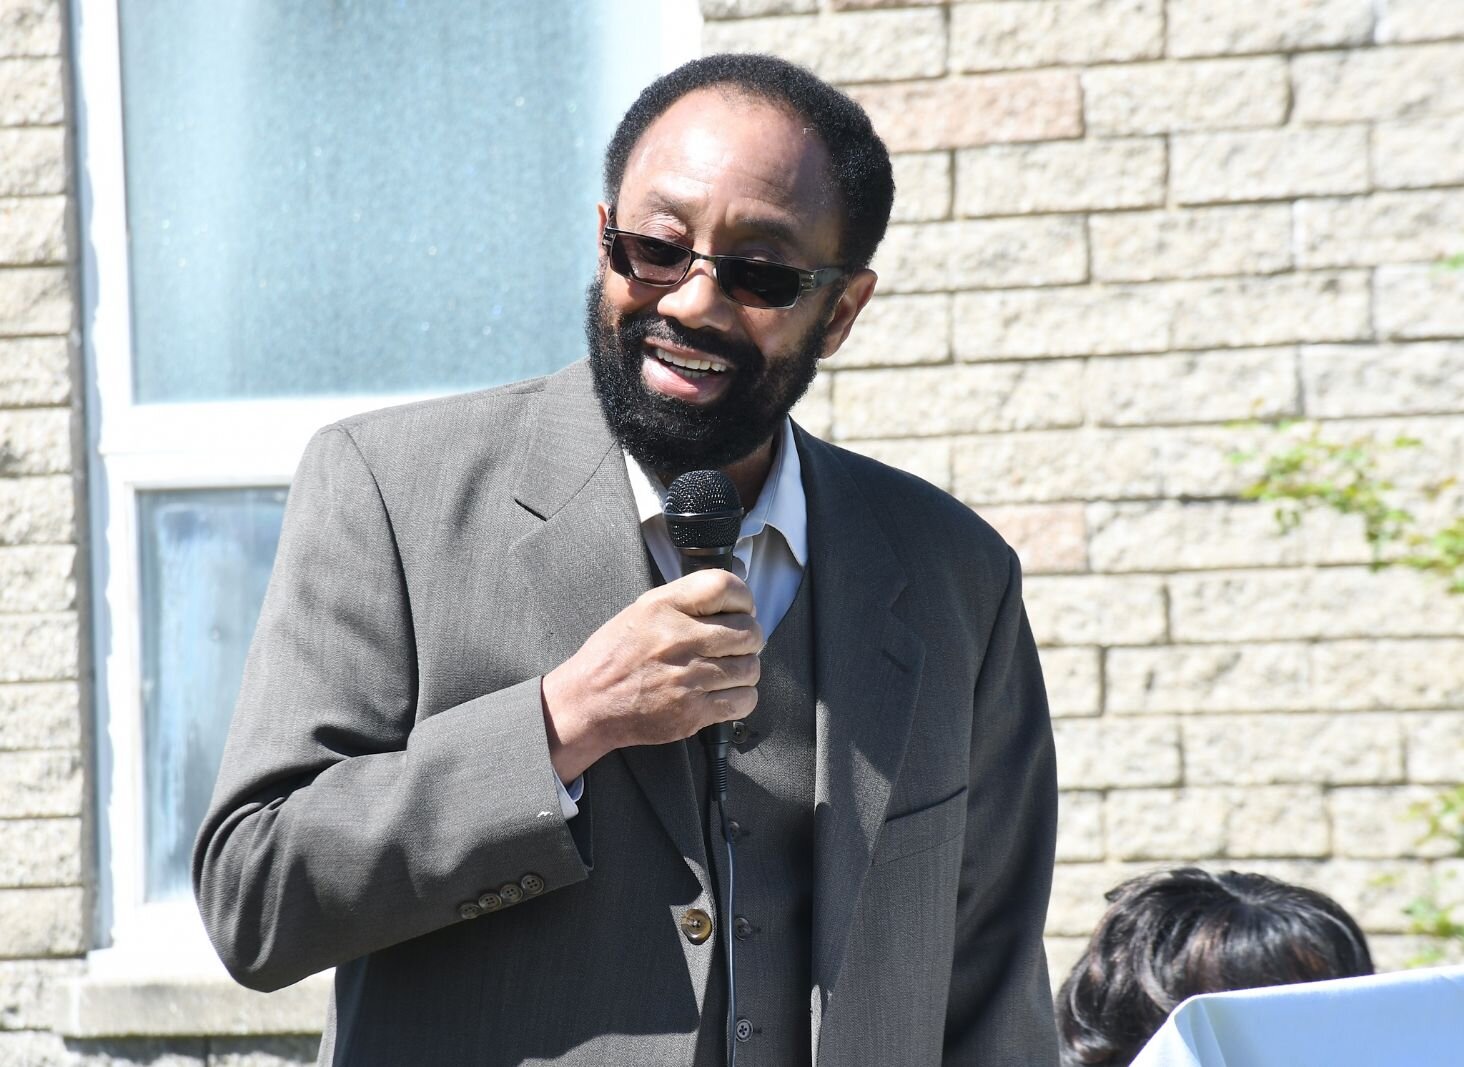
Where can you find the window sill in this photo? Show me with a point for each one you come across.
(93, 1006)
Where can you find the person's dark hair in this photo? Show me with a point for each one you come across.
(857, 157)
(1171, 935)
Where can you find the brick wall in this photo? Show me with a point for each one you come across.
(1121, 227)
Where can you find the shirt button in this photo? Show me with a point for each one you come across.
(734, 828)
(531, 884)
(510, 892)
(742, 928)
(469, 910)
(696, 925)
(739, 732)
(744, 1029)
(490, 902)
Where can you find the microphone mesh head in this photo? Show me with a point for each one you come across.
(703, 510)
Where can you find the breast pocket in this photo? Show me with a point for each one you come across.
(919, 831)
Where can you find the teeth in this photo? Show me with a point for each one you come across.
(690, 364)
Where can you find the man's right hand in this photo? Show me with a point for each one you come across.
(683, 656)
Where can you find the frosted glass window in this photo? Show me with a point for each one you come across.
(206, 558)
(366, 196)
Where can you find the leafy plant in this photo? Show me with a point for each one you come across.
(1443, 820)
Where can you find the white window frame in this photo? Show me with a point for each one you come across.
(138, 447)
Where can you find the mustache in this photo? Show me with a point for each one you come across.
(637, 329)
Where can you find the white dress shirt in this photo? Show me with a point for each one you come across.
(770, 555)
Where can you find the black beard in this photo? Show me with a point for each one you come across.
(669, 435)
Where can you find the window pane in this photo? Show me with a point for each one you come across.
(362, 197)
(206, 558)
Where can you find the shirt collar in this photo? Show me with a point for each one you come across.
(781, 504)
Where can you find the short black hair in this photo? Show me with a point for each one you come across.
(857, 157)
(1171, 935)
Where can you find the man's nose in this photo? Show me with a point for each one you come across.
(697, 301)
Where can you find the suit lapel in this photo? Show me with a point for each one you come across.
(587, 560)
(867, 670)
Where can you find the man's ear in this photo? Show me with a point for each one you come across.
(857, 291)
(603, 209)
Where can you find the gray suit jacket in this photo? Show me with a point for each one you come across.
(387, 762)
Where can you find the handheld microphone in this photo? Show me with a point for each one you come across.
(704, 516)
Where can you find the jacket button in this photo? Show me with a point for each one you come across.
(490, 902)
(469, 910)
(744, 1029)
(531, 884)
(742, 928)
(739, 732)
(510, 892)
(696, 925)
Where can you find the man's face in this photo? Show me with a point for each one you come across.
(726, 176)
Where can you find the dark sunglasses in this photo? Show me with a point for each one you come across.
(754, 283)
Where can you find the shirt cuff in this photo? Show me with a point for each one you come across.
(569, 797)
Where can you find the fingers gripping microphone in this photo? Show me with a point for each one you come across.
(704, 517)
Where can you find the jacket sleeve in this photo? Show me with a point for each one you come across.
(1000, 1006)
(340, 824)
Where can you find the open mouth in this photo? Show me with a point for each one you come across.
(690, 366)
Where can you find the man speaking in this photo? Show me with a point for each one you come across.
(464, 769)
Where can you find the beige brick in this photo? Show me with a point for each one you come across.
(922, 186)
(990, 254)
(35, 1049)
(1382, 823)
(28, 990)
(31, 92)
(34, 300)
(1074, 686)
(1399, 952)
(1240, 312)
(1090, 175)
(1422, 673)
(1141, 246)
(1063, 954)
(40, 784)
(34, 371)
(1173, 535)
(1435, 744)
(899, 330)
(732, 9)
(1382, 228)
(1268, 164)
(40, 852)
(815, 412)
(1077, 895)
(1149, 98)
(41, 922)
(989, 109)
(35, 442)
(1105, 754)
(1277, 821)
(33, 230)
(926, 401)
(865, 47)
(1419, 301)
(1045, 33)
(1043, 467)
(34, 160)
(1378, 83)
(1376, 895)
(1419, 20)
(924, 457)
(30, 28)
(1079, 826)
(1419, 153)
(1065, 321)
(36, 510)
(1199, 462)
(263, 1051)
(1095, 609)
(1192, 387)
(859, 5)
(1280, 605)
(38, 648)
(1343, 380)
(1351, 749)
(43, 715)
(37, 578)
(1048, 538)
(1223, 27)
(1165, 824)
(1197, 678)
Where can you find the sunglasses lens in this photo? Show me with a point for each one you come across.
(648, 260)
(758, 285)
